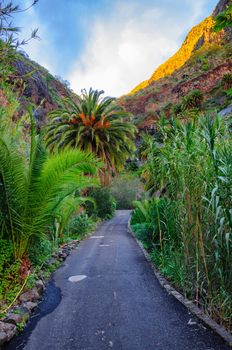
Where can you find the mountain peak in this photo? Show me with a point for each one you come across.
(198, 36)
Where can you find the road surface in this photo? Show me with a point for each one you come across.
(106, 297)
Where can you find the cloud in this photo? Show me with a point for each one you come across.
(39, 50)
(123, 49)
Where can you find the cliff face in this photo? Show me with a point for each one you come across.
(202, 61)
(38, 87)
(29, 83)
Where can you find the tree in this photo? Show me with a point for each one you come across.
(9, 42)
(8, 32)
(91, 123)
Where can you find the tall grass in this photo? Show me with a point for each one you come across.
(191, 173)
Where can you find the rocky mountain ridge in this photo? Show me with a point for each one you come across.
(201, 63)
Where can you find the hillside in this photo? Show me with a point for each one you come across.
(201, 63)
(24, 82)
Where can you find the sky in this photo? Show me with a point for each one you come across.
(109, 45)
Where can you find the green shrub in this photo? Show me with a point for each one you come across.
(40, 250)
(193, 99)
(9, 272)
(177, 109)
(227, 81)
(126, 188)
(224, 19)
(80, 225)
(155, 221)
(105, 204)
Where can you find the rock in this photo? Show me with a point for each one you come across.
(3, 338)
(21, 317)
(29, 305)
(226, 111)
(40, 286)
(7, 331)
(63, 256)
(31, 295)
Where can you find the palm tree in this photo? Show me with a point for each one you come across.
(95, 124)
(32, 191)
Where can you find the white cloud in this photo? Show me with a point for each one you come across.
(124, 49)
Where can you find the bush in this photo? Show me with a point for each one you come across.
(152, 218)
(227, 81)
(126, 189)
(193, 99)
(9, 272)
(40, 250)
(104, 203)
(80, 225)
(177, 109)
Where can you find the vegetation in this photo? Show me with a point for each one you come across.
(227, 81)
(8, 32)
(187, 224)
(38, 195)
(31, 193)
(96, 125)
(193, 99)
(224, 19)
(104, 203)
(49, 188)
(126, 188)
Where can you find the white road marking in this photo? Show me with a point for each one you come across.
(77, 278)
(96, 237)
(104, 245)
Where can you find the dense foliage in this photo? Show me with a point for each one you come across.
(39, 193)
(32, 193)
(126, 188)
(187, 222)
(104, 203)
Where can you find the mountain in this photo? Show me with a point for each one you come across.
(201, 63)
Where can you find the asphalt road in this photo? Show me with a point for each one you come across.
(119, 305)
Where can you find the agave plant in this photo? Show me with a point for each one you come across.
(31, 191)
(96, 125)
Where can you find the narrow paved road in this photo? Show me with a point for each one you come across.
(119, 305)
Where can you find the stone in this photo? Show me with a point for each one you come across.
(29, 305)
(17, 318)
(63, 256)
(3, 338)
(7, 331)
(31, 295)
(18, 315)
(226, 111)
(40, 286)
